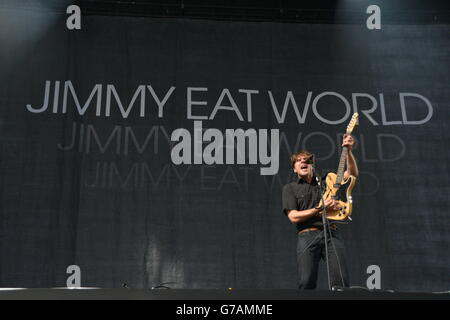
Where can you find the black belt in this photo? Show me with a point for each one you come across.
(332, 227)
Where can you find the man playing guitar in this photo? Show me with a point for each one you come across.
(302, 205)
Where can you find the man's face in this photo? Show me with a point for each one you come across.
(301, 166)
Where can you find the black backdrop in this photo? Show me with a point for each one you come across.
(115, 204)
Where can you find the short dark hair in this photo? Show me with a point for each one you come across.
(295, 156)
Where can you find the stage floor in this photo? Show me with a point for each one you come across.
(209, 294)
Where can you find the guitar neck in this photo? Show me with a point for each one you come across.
(344, 153)
(340, 172)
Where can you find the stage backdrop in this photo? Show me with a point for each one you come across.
(115, 158)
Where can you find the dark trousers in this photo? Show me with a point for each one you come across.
(311, 249)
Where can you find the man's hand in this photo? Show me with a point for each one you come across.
(348, 141)
(331, 205)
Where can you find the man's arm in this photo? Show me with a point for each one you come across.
(296, 216)
(352, 167)
(290, 202)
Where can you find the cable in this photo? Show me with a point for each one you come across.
(312, 241)
(324, 219)
(162, 285)
(337, 256)
(325, 230)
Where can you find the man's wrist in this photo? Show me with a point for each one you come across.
(318, 209)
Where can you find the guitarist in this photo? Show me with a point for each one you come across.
(301, 199)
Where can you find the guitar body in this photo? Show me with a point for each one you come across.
(342, 194)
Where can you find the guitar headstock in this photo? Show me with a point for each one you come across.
(352, 123)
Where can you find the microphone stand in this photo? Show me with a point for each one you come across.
(324, 222)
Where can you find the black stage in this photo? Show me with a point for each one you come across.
(209, 294)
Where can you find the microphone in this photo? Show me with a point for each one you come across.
(317, 179)
(312, 161)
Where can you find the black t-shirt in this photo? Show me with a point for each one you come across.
(301, 195)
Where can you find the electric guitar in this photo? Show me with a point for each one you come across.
(338, 189)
